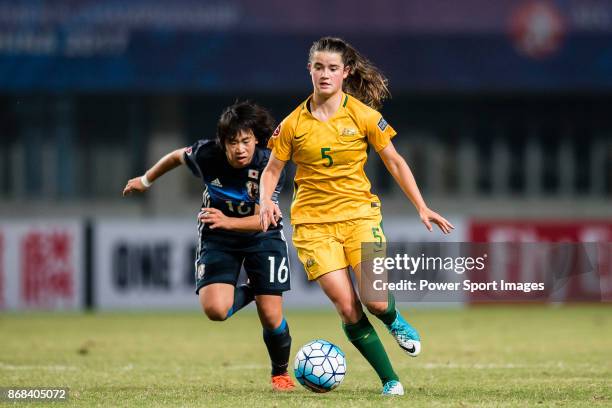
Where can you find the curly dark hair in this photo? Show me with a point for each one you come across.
(244, 116)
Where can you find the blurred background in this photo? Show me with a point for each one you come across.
(503, 111)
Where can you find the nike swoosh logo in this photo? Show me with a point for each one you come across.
(410, 350)
(300, 136)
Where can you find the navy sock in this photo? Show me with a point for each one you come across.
(243, 295)
(278, 343)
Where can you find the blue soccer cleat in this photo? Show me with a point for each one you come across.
(406, 336)
(393, 387)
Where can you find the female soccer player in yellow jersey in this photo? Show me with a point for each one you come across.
(333, 210)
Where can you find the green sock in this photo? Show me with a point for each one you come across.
(389, 315)
(363, 336)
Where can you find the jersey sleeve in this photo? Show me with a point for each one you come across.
(281, 141)
(378, 131)
(194, 158)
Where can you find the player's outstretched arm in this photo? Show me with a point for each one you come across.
(164, 165)
(402, 174)
(269, 213)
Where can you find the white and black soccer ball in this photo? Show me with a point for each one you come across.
(320, 366)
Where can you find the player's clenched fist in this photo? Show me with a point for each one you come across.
(134, 184)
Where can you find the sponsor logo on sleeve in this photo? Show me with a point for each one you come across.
(382, 124)
(277, 131)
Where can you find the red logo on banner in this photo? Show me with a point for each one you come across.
(537, 29)
(47, 274)
(577, 286)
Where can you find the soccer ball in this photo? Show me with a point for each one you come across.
(320, 366)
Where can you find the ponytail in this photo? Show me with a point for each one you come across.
(365, 82)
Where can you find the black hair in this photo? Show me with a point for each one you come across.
(244, 116)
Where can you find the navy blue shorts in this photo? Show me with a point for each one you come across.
(265, 261)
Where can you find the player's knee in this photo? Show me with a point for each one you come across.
(270, 317)
(215, 313)
(349, 312)
(270, 324)
(376, 308)
(271, 320)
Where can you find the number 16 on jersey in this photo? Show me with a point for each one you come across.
(282, 274)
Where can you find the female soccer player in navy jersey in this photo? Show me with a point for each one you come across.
(230, 235)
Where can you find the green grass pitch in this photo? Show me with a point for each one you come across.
(483, 356)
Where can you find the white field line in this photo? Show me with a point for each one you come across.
(246, 367)
(491, 366)
(12, 367)
(433, 366)
(4, 366)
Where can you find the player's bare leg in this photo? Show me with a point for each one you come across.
(338, 287)
(220, 301)
(216, 300)
(382, 305)
(277, 339)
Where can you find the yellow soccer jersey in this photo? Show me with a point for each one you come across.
(330, 181)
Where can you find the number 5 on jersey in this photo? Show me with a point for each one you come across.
(283, 271)
(324, 155)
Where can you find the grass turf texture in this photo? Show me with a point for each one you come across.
(494, 356)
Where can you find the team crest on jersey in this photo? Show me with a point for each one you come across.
(310, 263)
(252, 189)
(254, 174)
(201, 268)
(349, 132)
(276, 131)
(382, 124)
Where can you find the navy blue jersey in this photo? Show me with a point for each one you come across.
(233, 191)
